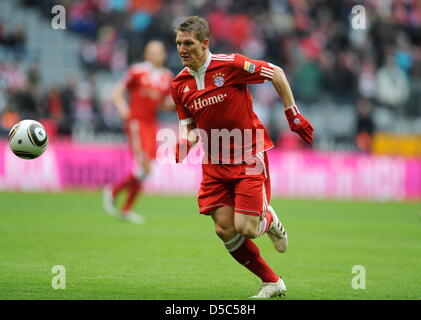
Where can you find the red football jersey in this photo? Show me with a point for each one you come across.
(217, 98)
(147, 87)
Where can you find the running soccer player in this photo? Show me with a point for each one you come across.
(212, 101)
(148, 87)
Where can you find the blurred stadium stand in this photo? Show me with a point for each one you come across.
(349, 83)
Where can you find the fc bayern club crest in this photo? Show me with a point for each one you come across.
(219, 81)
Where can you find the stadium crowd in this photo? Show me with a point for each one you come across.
(324, 57)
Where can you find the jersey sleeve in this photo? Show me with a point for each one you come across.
(184, 116)
(251, 71)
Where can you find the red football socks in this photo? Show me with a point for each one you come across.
(125, 183)
(264, 224)
(133, 191)
(248, 254)
(133, 187)
(269, 219)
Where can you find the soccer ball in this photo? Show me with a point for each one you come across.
(28, 139)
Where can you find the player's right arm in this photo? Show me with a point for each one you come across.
(188, 138)
(188, 132)
(118, 97)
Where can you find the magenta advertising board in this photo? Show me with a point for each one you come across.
(304, 174)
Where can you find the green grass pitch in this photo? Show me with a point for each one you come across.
(176, 254)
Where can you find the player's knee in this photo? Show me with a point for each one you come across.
(224, 232)
(247, 230)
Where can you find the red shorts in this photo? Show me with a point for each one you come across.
(142, 138)
(245, 187)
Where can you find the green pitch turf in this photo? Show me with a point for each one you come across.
(176, 254)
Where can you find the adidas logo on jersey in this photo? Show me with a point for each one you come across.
(201, 103)
(186, 89)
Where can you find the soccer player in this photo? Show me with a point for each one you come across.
(211, 96)
(147, 85)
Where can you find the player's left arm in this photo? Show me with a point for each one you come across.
(188, 138)
(246, 71)
(297, 122)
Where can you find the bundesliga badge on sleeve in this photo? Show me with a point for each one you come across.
(249, 67)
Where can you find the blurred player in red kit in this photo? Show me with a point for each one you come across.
(211, 96)
(147, 85)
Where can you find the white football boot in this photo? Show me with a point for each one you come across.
(277, 233)
(132, 217)
(271, 289)
(108, 201)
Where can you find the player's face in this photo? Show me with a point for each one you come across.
(193, 53)
(155, 53)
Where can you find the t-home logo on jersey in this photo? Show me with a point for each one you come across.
(200, 103)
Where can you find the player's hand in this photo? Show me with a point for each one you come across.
(299, 124)
(181, 149)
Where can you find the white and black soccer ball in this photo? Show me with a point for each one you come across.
(28, 139)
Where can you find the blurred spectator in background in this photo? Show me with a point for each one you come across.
(392, 86)
(13, 40)
(308, 76)
(108, 53)
(85, 104)
(365, 125)
(367, 79)
(67, 96)
(414, 108)
(82, 16)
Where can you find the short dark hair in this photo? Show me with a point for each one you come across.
(197, 25)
